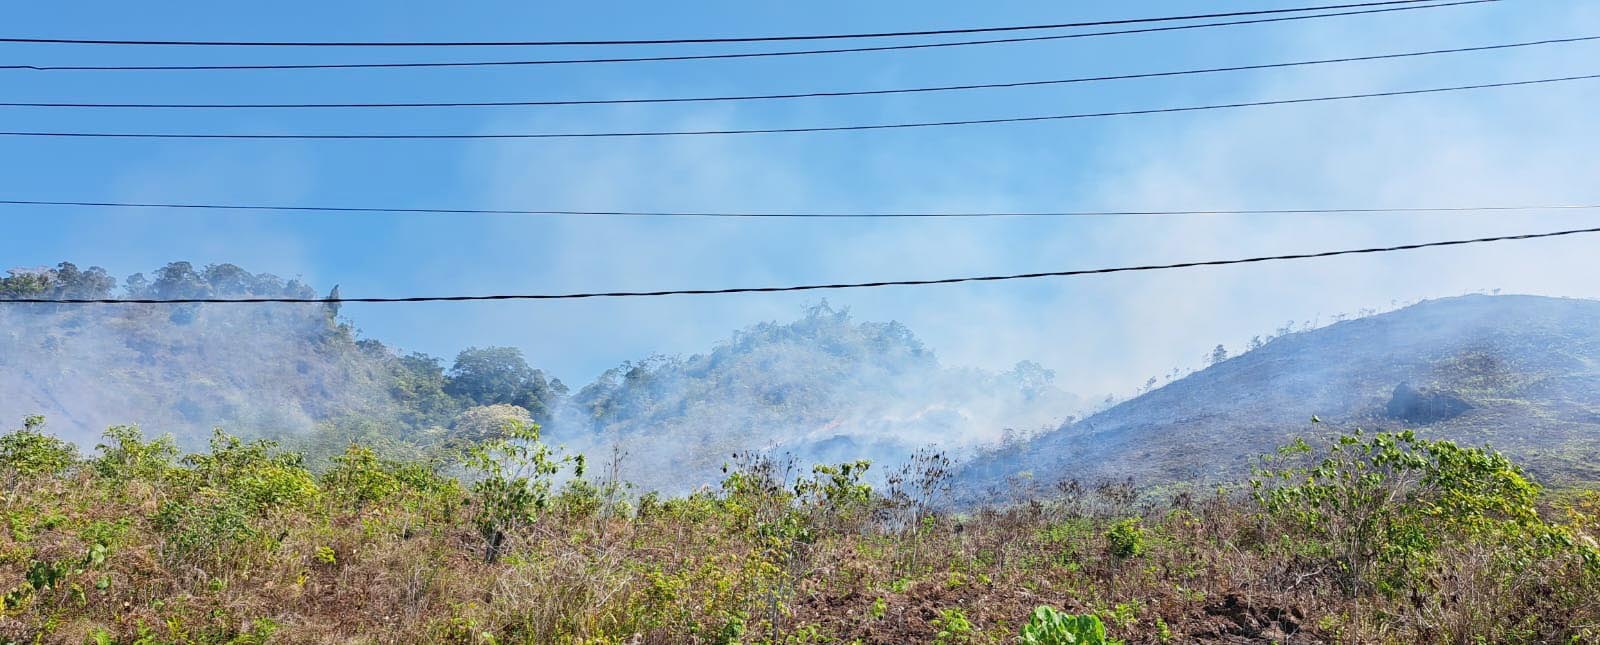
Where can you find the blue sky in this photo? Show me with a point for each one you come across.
(1527, 145)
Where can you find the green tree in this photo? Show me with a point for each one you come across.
(228, 280)
(514, 475)
(24, 283)
(66, 280)
(484, 423)
(70, 282)
(419, 385)
(179, 280)
(490, 375)
(333, 302)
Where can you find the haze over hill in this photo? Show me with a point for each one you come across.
(178, 368)
(1517, 372)
(293, 371)
(823, 387)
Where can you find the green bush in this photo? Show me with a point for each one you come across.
(953, 628)
(201, 547)
(29, 453)
(1381, 506)
(259, 472)
(514, 476)
(126, 455)
(204, 530)
(1125, 539)
(839, 487)
(1047, 626)
(359, 477)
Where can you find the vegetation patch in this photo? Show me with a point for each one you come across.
(1369, 537)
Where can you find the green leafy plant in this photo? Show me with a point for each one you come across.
(837, 486)
(1049, 626)
(126, 455)
(1163, 631)
(1380, 506)
(953, 627)
(514, 476)
(29, 452)
(203, 529)
(1125, 539)
(259, 472)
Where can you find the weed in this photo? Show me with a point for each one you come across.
(1047, 626)
(1126, 538)
(953, 626)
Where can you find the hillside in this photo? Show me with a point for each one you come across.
(295, 371)
(821, 388)
(180, 369)
(1517, 372)
(335, 535)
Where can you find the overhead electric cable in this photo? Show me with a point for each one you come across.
(795, 214)
(695, 41)
(732, 55)
(794, 130)
(799, 95)
(819, 287)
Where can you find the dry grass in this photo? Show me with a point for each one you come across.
(743, 564)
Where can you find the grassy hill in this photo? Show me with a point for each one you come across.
(1518, 372)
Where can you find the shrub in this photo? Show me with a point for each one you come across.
(259, 472)
(836, 486)
(514, 478)
(384, 549)
(1380, 506)
(126, 455)
(579, 499)
(1047, 626)
(359, 475)
(203, 531)
(1125, 539)
(835, 494)
(953, 627)
(29, 452)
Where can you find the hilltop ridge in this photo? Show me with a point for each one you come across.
(1517, 372)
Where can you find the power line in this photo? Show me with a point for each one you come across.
(819, 287)
(800, 95)
(693, 57)
(695, 41)
(795, 130)
(796, 214)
